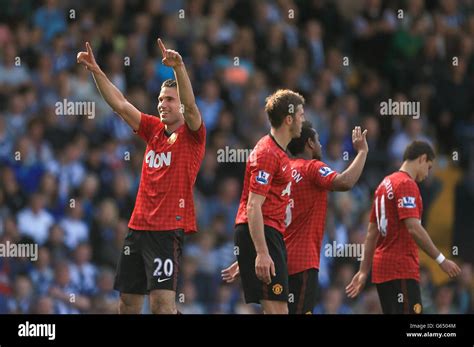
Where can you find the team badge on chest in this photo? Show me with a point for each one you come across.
(172, 139)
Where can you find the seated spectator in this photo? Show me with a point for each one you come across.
(42, 273)
(22, 296)
(83, 272)
(66, 297)
(75, 229)
(34, 221)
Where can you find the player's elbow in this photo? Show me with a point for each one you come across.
(253, 206)
(342, 184)
(412, 227)
(120, 107)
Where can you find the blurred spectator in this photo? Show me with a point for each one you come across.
(83, 272)
(207, 266)
(369, 303)
(22, 296)
(105, 299)
(42, 273)
(67, 299)
(75, 229)
(332, 302)
(51, 19)
(55, 243)
(412, 131)
(103, 233)
(43, 305)
(444, 301)
(35, 221)
(209, 103)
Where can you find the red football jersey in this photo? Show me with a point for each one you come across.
(306, 213)
(267, 173)
(396, 254)
(170, 166)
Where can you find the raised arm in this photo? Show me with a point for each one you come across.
(190, 111)
(350, 176)
(109, 92)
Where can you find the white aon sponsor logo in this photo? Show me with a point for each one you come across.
(157, 160)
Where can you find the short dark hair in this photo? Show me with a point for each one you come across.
(169, 83)
(297, 145)
(417, 149)
(278, 105)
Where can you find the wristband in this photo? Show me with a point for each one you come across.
(440, 258)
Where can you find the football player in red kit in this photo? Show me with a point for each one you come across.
(260, 221)
(306, 212)
(394, 232)
(164, 208)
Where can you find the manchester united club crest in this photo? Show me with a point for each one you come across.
(277, 289)
(172, 139)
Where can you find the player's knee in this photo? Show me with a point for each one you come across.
(274, 307)
(280, 308)
(130, 303)
(162, 307)
(161, 303)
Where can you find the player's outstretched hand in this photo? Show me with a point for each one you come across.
(264, 268)
(356, 285)
(450, 267)
(359, 140)
(170, 58)
(231, 273)
(87, 59)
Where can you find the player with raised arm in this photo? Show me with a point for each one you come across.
(306, 212)
(164, 208)
(394, 232)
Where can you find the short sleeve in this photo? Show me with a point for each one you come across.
(149, 126)
(263, 168)
(197, 136)
(321, 174)
(408, 200)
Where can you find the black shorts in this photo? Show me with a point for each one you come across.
(149, 260)
(303, 286)
(400, 296)
(254, 289)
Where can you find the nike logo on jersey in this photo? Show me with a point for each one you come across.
(163, 279)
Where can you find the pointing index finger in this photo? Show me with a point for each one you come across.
(162, 47)
(89, 49)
